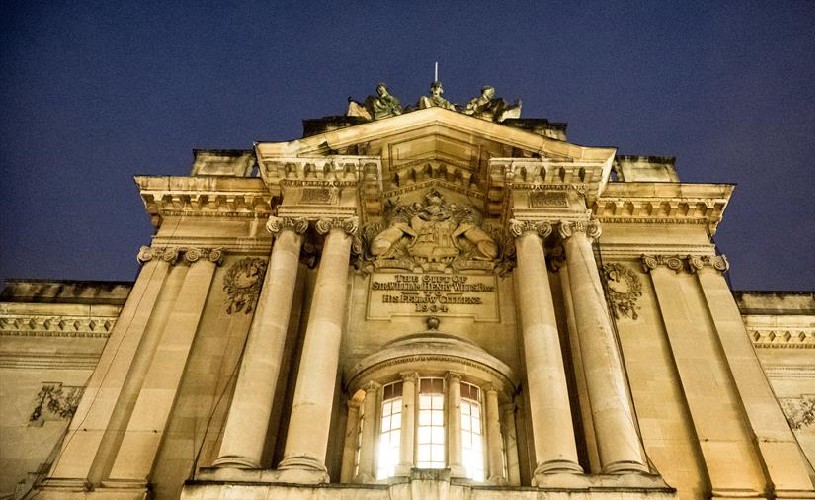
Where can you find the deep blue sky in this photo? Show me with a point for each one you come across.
(92, 93)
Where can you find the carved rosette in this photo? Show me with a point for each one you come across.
(277, 224)
(194, 254)
(350, 225)
(678, 263)
(800, 412)
(242, 283)
(589, 227)
(623, 288)
(55, 402)
(167, 254)
(518, 228)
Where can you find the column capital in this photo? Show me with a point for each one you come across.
(490, 388)
(590, 227)
(277, 224)
(194, 254)
(325, 224)
(718, 262)
(167, 254)
(409, 376)
(371, 387)
(518, 228)
(672, 262)
(452, 376)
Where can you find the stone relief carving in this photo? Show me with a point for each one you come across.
(433, 236)
(623, 288)
(382, 105)
(55, 402)
(242, 283)
(800, 412)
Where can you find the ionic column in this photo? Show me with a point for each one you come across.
(454, 425)
(495, 455)
(251, 408)
(406, 444)
(511, 446)
(549, 410)
(616, 433)
(367, 468)
(304, 456)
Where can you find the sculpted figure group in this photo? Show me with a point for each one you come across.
(383, 105)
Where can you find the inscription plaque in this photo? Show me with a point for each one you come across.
(394, 294)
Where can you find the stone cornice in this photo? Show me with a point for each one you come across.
(781, 337)
(203, 197)
(665, 203)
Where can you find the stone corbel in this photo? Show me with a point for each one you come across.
(167, 254)
(277, 224)
(590, 227)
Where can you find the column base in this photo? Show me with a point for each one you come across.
(558, 466)
(302, 470)
(236, 463)
(625, 467)
(586, 481)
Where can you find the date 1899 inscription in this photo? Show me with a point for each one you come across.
(432, 293)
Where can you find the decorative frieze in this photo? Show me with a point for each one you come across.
(679, 263)
(775, 337)
(277, 224)
(55, 402)
(27, 325)
(800, 412)
(623, 289)
(242, 283)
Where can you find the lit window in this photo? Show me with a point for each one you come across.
(472, 441)
(430, 436)
(389, 430)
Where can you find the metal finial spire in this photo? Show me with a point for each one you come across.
(436, 74)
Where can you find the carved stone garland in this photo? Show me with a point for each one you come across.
(242, 284)
(800, 412)
(623, 288)
(56, 400)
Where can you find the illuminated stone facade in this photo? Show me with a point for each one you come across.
(426, 304)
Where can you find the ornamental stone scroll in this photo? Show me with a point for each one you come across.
(194, 254)
(691, 263)
(325, 224)
(277, 224)
(591, 228)
(517, 228)
(166, 254)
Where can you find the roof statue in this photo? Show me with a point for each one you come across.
(435, 99)
(488, 107)
(382, 105)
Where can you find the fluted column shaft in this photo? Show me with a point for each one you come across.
(406, 443)
(549, 410)
(368, 445)
(617, 439)
(251, 408)
(304, 456)
(495, 455)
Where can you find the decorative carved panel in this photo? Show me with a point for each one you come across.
(242, 284)
(623, 288)
(800, 412)
(55, 402)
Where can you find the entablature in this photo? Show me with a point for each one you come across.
(203, 196)
(663, 203)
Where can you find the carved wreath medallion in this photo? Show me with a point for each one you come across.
(800, 412)
(242, 284)
(55, 402)
(623, 288)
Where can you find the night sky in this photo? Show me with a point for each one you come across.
(92, 93)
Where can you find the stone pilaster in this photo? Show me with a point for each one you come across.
(511, 445)
(251, 408)
(367, 467)
(549, 411)
(349, 450)
(151, 411)
(618, 443)
(304, 456)
(453, 404)
(495, 459)
(407, 443)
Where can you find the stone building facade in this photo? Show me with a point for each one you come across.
(420, 304)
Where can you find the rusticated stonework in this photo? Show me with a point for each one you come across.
(623, 289)
(800, 412)
(242, 284)
(55, 401)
